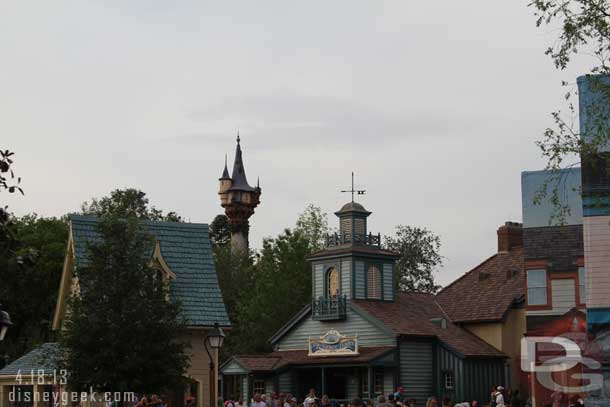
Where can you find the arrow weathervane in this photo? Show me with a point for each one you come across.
(353, 190)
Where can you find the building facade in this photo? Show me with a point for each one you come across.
(183, 256)
(554, 262)
(361, 337)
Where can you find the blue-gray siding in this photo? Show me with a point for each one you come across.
(359, 280)
(416, 369)
(447, 361)
(285, 382)
(318, 280)
(346, 272)
(354, 324)
(480, 376)
(388, 282)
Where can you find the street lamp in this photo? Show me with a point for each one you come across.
(5, 322)
(214, 339)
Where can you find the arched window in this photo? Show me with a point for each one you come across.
(373, 280)
(332, 282)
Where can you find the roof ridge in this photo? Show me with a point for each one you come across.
(170, 224)
(467, 273)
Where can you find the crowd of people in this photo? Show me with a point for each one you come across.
(498, 398)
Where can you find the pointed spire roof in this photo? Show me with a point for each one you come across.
(240, 182)
(225, 172)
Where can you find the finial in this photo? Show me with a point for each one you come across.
(237, 137)
(258, 182)
(225, 160)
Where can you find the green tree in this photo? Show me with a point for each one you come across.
(281, 288)
(313, 225)
(126, 203)
(33, 268)
(122, 333)
(419, 258)
(583, 27)
(220, 230)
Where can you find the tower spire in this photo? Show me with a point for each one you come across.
(225, 172)
(239, 200)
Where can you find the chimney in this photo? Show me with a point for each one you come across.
(510, 235)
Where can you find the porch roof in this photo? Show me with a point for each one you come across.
(302, 358)
(42, 358)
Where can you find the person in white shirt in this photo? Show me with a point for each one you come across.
(258, 401)
(500, 397)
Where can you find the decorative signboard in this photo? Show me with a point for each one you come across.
(332, 343)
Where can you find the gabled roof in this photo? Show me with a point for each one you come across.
(487, 292)
(42, 358)
(186, 249)
(253, 363)
(411, 315)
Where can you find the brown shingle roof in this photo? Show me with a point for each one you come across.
(258, 363)
(410, 315)
(485, 293)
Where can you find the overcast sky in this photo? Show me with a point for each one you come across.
(435, 105)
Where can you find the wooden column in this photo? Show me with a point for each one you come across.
(323, 376)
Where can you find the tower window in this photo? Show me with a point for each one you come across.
(332, 277)
(373, 280)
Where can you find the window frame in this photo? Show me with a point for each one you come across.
(582, 288)
(537, 287)
(448, 374)
(254, 386)
(378, 385)
(379, 268)
(329, 270)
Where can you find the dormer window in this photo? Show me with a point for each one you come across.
(373, 281)
(332, 282)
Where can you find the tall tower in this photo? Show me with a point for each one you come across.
(238, 199)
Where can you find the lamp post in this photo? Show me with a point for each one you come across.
(5, 322)
(214, 340)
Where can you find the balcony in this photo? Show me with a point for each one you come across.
(338, 239)
(329, 309)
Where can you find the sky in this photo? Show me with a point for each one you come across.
(435, 105)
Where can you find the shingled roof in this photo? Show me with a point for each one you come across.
(186, 249)
(41, 359)
(486, 293)
(412, 314)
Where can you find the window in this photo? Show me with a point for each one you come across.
(332, 282)
(365, 381)
(448, 380)
(373, 280)
(536, 287)
(258, 387)
(581, 285)
(378, 388)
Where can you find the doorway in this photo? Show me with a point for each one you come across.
(336, 383)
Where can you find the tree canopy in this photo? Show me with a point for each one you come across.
(583, 28)
(419, 258)
(127, 203)
(123, 333)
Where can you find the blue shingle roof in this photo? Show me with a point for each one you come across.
(187, 250)
(43, 357)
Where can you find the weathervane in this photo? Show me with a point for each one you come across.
(352, 190)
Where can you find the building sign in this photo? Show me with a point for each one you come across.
(332, 343)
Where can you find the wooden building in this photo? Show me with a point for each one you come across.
(183, 255)
(360, 337)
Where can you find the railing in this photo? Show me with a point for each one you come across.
(338, 239)
(329, 309)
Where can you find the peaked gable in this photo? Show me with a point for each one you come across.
(184, 251)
